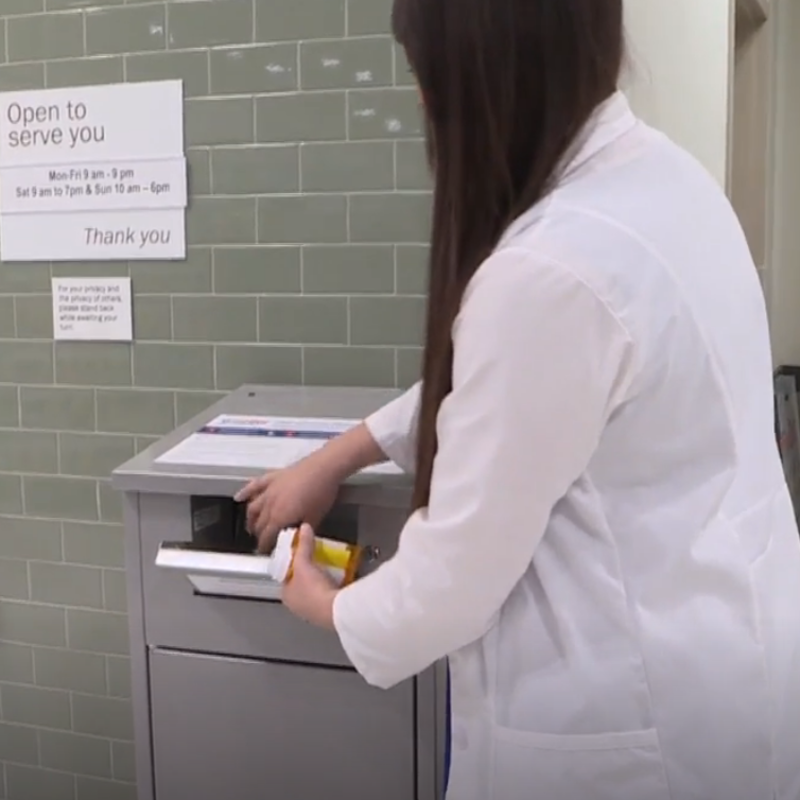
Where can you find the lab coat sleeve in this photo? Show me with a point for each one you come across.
(394, 428)
(540, 362)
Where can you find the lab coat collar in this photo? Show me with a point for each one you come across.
(612, 119)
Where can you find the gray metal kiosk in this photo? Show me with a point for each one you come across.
(233, 697)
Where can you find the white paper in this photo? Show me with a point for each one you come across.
(94, 236)
(118, 185)
(225, 574)
(236, 565)
(256, 442)
(93, 173)
(233, 587)
(92, 309)
(91, 123)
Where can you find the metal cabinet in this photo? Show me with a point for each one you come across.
(233, 696)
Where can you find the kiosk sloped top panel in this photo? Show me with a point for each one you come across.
(148, 472)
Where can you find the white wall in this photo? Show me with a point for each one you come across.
(679, 77)
(783, 284)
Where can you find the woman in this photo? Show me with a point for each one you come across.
(602, 540)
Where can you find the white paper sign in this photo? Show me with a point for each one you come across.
(92, 309)
(93, 173)
(91, 124)
(94, 187)
(256, 442)
(94, 236)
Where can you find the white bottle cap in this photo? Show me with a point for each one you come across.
(282, 556)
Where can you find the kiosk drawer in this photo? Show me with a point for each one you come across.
(223, 615)
(251, 730)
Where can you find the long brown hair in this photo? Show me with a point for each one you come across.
(507, 86)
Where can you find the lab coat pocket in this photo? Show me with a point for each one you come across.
(614, 766)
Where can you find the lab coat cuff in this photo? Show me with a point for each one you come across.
(369, 661)
(393, 428)
(382, 426)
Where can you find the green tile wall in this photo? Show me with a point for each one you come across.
(307, 231)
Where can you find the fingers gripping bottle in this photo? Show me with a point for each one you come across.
(340, 560)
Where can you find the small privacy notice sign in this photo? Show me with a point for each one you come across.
(92, 309)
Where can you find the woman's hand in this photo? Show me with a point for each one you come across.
(304, 492)
(310, 592)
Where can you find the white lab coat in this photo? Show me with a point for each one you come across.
(609, 556)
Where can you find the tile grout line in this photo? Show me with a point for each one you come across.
(87, 56)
